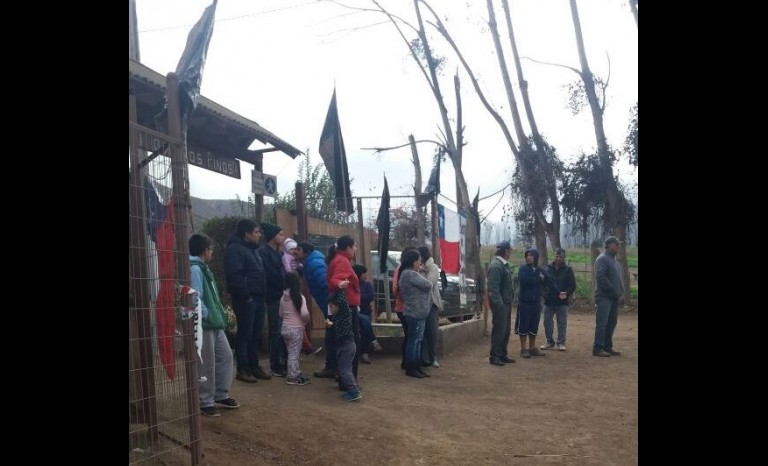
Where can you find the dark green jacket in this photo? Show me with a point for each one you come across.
(500, 289)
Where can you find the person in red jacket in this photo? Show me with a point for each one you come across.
(341, 276)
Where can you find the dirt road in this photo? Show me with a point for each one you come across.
(469, 412)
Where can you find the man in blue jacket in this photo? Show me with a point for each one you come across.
(531, 277)
(316, 274)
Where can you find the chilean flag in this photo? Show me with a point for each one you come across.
(448, 227)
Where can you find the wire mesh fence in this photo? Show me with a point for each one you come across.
(162, 394)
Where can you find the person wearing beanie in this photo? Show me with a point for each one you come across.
(274, 271)
(553, 305)
(501, 292)
(609, 291)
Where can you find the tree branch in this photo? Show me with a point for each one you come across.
(553, 64)
(382, 149)
(604, 87)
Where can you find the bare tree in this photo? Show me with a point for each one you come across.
(618, 210)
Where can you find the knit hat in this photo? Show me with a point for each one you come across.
(560, 252)
(270, 230)
(289, 245)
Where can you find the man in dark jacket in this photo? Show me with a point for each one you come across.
(274, 271)
(553, 305)
(500, 296)
(609, 291)
(316, 274)
(245, 282)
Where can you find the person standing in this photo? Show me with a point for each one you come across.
(416, 292)
(246, 284)
(429, 345)
(316, 274)
(292, 264)
(553, 305)
(216, 353)
(500, 295)
(341, 276)
(609, 293)
(295, 316)
(274, 272)
(531, 278)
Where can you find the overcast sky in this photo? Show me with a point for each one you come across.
(276, 61)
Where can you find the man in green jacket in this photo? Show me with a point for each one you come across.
(500, 295)
(217, 355)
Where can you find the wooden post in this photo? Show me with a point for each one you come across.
(365, 253)
(301, 212)
(258, 199)
(180, 177)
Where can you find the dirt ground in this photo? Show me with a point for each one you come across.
(566, 408)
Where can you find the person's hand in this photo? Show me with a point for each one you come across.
(343, 284)
(541, 276)
(563, 295)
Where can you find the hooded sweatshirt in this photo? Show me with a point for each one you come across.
(532, 278)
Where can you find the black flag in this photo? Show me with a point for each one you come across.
(190, 67)
(433, 185)
(335, 157)
(382, 223)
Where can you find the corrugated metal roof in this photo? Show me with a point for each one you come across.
(157, 80)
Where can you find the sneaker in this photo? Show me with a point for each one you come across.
(601, 353)
(245, 376)
(210, 411)
(301, 380)
(525, 354)
(228, 403)
(365, 358)
(259, 373)
(325, 374)
(612, 352)
(351, 395)
(547, 346)
(278, 372)
(435, 363)
(507, 359)
(536, 352)
(377, 346)
(496, 362)
(561, 346)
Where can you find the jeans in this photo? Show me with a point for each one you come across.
(502, 328)
(606, 316)
(345, 354)
(330, 349)
(278, 354)
(413, 339)
(366, 332)
(250, 326)
(429, 344)
(550, 312)
(404, 324)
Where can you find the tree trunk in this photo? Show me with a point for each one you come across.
(615, 202)
(420, 220)
(633, 7)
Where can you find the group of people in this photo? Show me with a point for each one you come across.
(264, 280)
(557, 285)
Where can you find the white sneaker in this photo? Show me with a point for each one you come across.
(561, 347)
(377, 346)
(547, 346)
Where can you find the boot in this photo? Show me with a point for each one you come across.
(412, 370)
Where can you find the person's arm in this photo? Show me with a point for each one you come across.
(571, 288)
(287, 262)
(551, 283)
(339, 271)
(304, 311)
(601, 277)
(196, 276)
(494, 286)
(234, 271)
